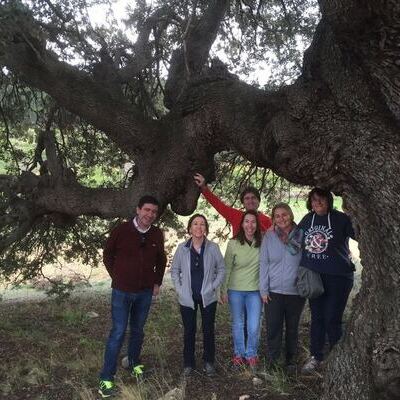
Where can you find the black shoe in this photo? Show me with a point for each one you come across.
(209, 369)
(291, 368)
(311, 366)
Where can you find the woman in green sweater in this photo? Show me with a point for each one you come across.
(241, 288)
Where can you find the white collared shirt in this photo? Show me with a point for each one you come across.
(141, 230)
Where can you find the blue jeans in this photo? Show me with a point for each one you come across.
(126, 306)
(239, 301)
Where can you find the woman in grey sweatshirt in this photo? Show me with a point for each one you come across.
(197, 271)
(279, 261)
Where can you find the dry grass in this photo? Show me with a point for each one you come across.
(54, 351)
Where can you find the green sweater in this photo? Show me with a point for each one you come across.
(242, 267)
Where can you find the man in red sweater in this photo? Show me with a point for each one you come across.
(135, 259)
(250, 198)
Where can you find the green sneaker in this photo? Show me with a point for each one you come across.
(106, 389)
(138, 372)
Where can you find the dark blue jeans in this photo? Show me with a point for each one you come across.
(327, 313)
(189, 317)
(132, 307)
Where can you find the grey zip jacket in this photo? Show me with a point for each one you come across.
(278, 268)
(214, 274)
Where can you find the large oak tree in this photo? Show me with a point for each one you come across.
(336, 126)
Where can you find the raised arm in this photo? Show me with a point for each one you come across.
(229, 213)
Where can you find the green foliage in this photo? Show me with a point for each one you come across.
(268, 34)
(60, 290)
(47, 244)
(95, 161)
(235, 173)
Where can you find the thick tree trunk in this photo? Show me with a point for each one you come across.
(355, 151)
(366, 365)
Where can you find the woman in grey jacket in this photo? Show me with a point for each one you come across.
(279, 261)
(197, 271)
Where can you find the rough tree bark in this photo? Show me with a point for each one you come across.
(337, 126)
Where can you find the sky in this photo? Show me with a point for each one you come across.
(98, 13)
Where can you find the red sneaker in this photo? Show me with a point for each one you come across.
(238, 362)
(252, 363)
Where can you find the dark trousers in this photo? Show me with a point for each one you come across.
(327, 313)
(283, 309)
(189, 318)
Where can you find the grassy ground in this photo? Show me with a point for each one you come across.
(53, 350)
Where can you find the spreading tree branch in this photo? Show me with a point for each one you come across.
(188, 61)
(101, 102)
(142, 50)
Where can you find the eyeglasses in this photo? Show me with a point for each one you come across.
(142, 241)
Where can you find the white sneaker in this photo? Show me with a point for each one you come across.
(310, 366)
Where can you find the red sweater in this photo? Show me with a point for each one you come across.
(233, 215)
(134, 263)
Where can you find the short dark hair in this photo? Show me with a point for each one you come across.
(321, 193)
(257, 234)
(148, 199)
(191, 219)
(250, 189)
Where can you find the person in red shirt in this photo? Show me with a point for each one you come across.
(135, 259)
(250, 198)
